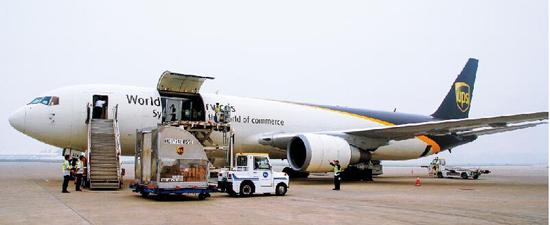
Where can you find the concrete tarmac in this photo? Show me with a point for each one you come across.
(30, 193)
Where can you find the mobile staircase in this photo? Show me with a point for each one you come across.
(104, 152)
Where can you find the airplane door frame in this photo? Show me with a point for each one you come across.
(172, 110)
(105, 112)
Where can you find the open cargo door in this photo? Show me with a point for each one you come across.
(180, 83)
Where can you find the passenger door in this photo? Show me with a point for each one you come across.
(100, 113)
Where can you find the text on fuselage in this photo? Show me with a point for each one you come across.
(136, 100)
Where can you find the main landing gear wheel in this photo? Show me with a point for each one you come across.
(356, 174)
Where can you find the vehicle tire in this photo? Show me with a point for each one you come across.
(476, 177)
(144, 194)
(281, 189)
(247, 189)
(439, 175)
(464, 175)
(202, 196)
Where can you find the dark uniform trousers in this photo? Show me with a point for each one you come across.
(336, 182)
(78, 181)
(65, 182)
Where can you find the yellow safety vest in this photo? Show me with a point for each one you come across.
(80, 167)
(337, 170)
(66, 167)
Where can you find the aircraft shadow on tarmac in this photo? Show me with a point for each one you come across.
(398, 181)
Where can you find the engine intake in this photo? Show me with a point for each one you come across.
(313, 152)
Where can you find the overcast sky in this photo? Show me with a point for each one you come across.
(365, 54)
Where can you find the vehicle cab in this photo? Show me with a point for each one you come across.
(437, 166)
(253, 173)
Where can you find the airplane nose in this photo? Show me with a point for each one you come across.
(17, 119)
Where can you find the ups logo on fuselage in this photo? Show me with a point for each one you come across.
(462, 93)
(180, 150)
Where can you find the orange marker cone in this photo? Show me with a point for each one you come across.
(418, 183)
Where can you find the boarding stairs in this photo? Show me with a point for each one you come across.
(104, 167)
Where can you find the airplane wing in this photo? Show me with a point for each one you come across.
(378, 136)
(468, 126)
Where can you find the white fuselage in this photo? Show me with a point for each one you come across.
(64, 125)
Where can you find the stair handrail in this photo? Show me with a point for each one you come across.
(117, 142)
(89, 139)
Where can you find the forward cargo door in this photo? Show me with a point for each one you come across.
(180, 83)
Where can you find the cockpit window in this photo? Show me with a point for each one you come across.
(36, 101)
(46, 100)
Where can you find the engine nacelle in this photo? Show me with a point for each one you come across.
(313, 152)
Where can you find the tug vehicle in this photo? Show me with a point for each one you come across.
(438, 168)
(252, 173)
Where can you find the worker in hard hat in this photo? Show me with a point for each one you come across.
(337, 170)
(66, 168)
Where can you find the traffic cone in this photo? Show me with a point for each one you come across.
(418, 183)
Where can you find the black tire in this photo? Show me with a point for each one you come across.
(281, 189)
(464, 175)
(439, 175)
(202, 196)
(476, 177)
(144, 194)
(246, 189)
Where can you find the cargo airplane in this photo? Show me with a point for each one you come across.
(308, 135)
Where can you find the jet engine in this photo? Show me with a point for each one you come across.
(313, 152)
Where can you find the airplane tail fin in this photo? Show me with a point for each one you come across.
(456, 104)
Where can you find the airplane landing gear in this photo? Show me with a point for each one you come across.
(353, 173)
(362, 171)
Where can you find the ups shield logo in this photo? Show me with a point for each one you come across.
(180, 150)
(462, 93)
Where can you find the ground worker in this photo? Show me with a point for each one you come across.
(337, 170)
(173, 113)
(217, 111)
(84, 171)
(98, 109)
(226, 113)
(66, 167)
(79, 172)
